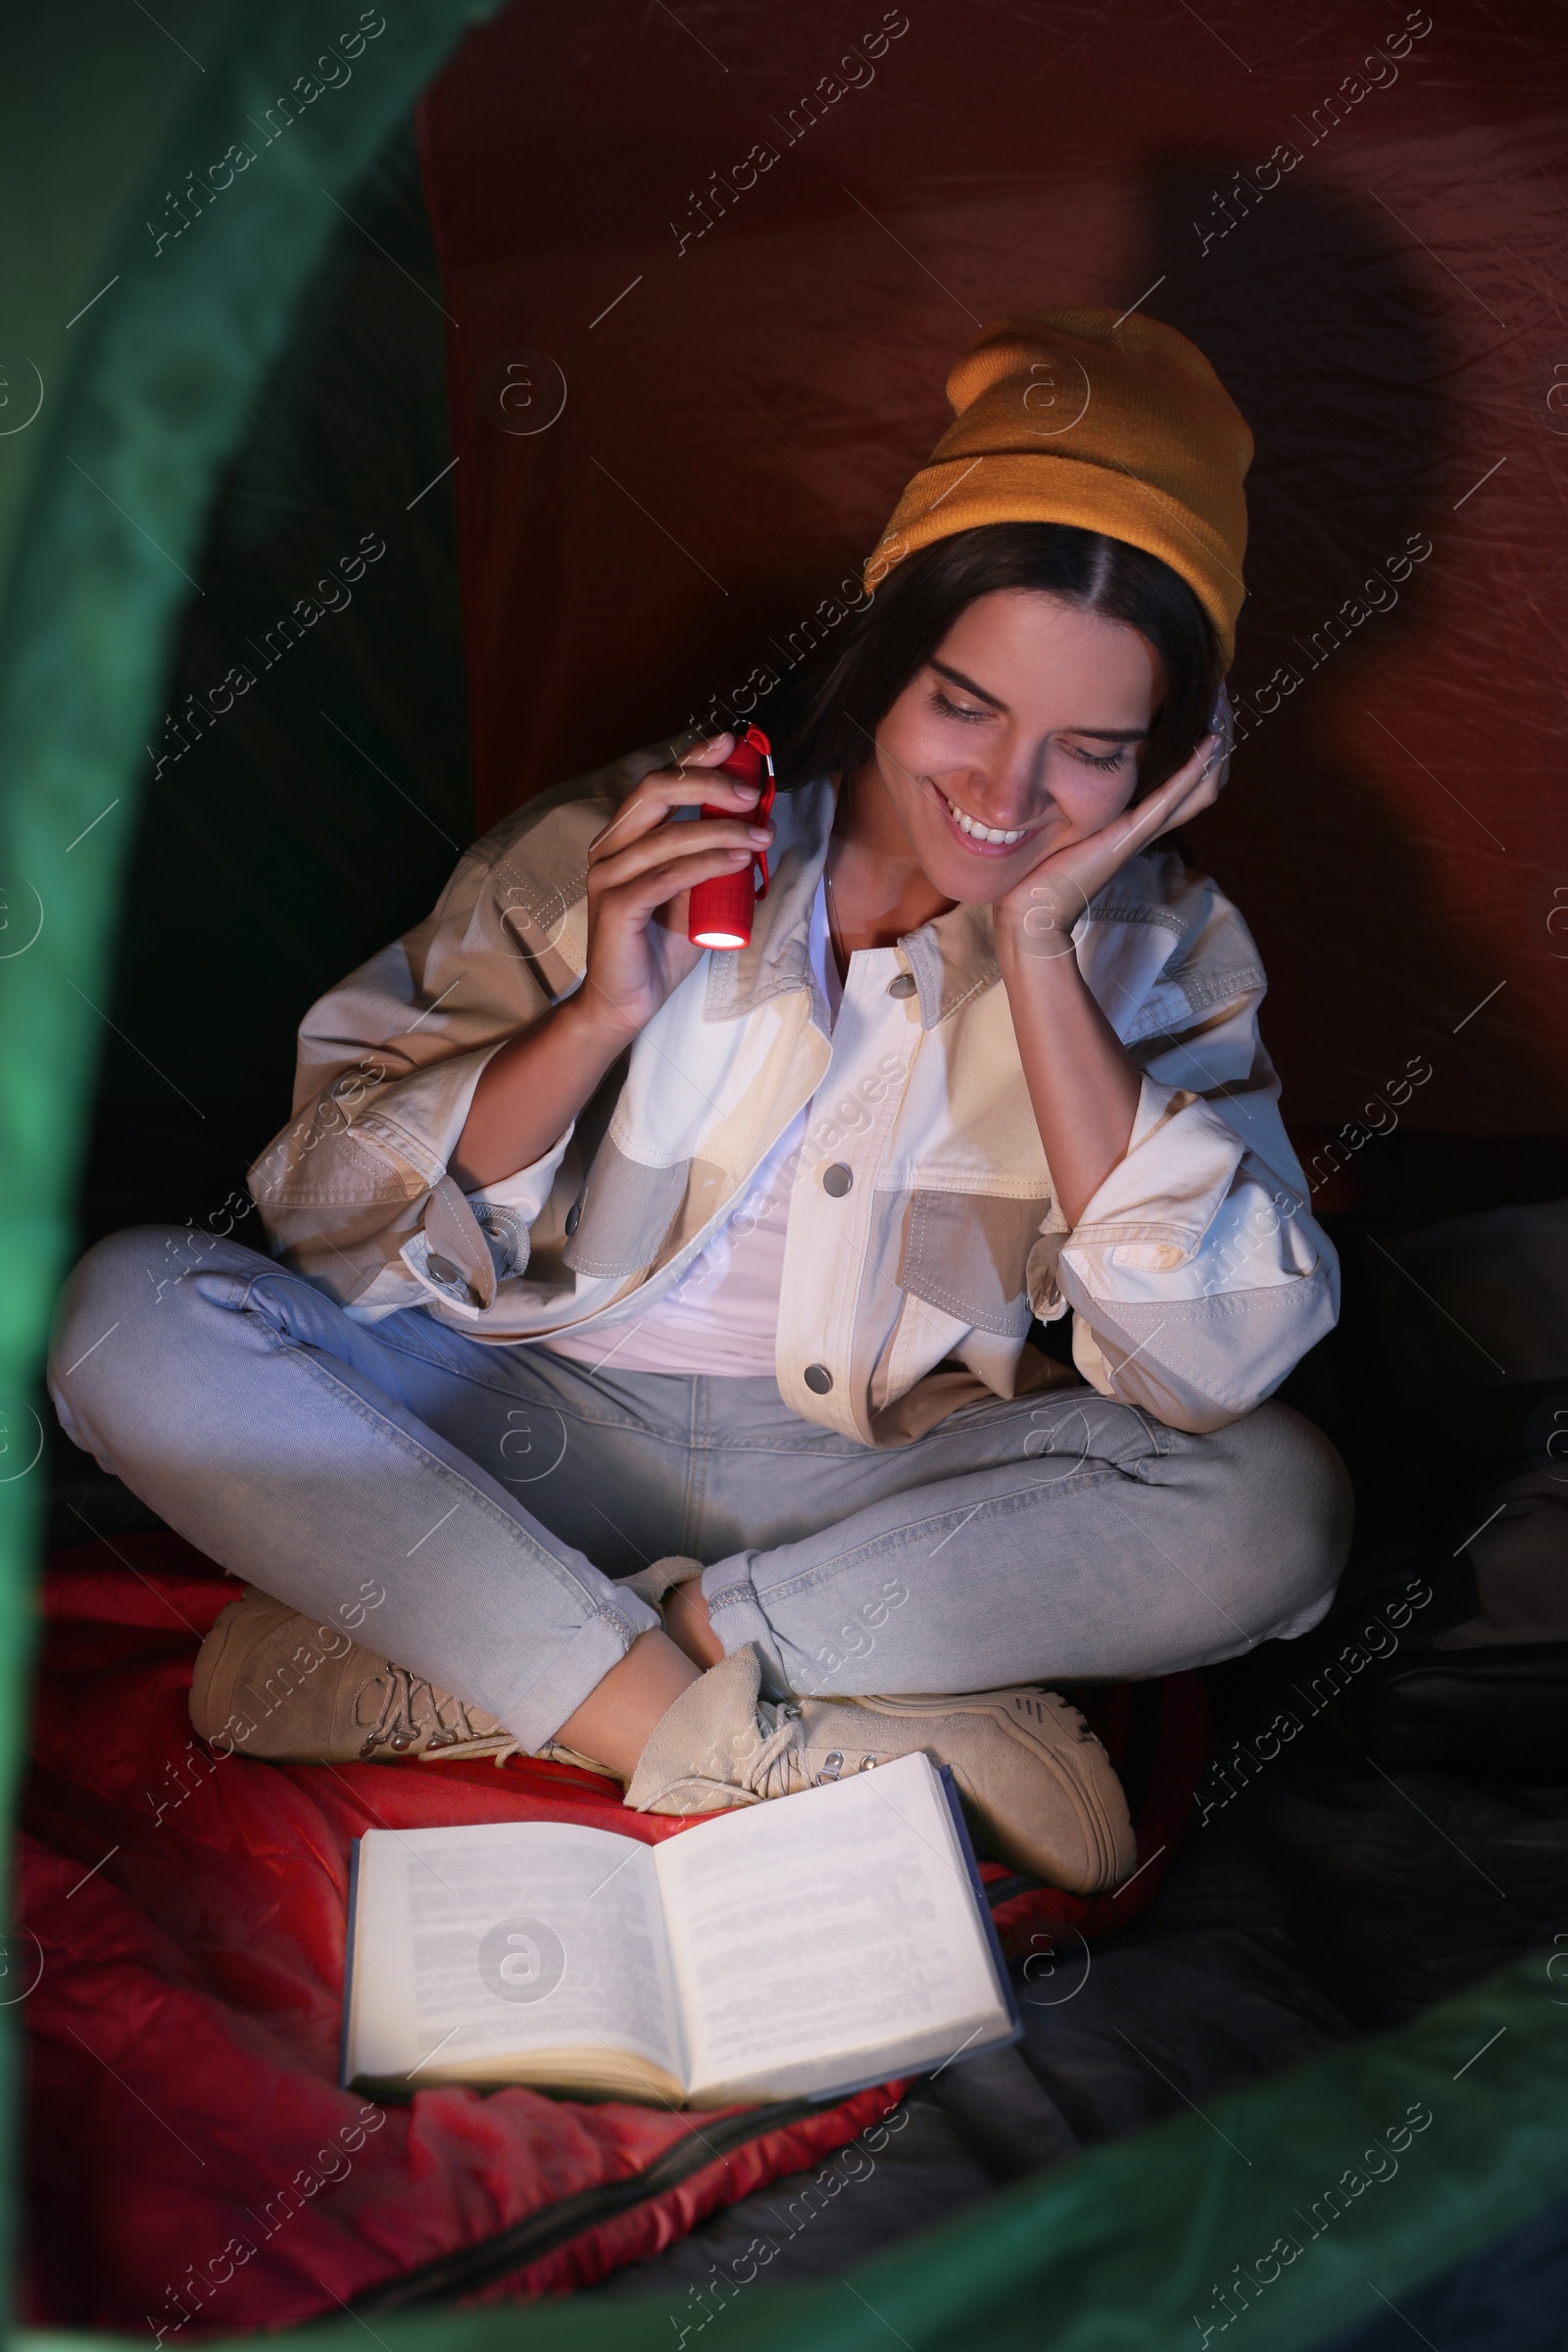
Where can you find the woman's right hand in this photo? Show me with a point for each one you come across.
(641, 869)
(640, 872)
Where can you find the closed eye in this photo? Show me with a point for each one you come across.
(1106, 763)
(952, 709)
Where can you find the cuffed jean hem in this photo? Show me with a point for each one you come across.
(537, 1713)
(736, 1616)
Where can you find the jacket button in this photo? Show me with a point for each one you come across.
(837, 1179)
(902, 986)
(818, 1379)
(574, 1218)
(442, 1268)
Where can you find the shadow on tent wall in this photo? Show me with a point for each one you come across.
(1389, 850)
(1327, 334)
(753, 375)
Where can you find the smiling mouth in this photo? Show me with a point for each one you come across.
(989, 840)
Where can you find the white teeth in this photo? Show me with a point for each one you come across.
(967, 824)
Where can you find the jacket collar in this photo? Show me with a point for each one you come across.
(777, 961)
(952, 958)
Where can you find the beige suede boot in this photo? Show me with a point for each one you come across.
(273, 1684)
(1036, 1781)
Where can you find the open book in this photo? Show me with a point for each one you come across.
(804, 1948)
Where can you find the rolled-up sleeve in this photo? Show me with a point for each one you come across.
(388, 1063)
(1196, 1274)
(356, 1190)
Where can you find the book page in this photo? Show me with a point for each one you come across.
(828, 1939)
(473, 1946)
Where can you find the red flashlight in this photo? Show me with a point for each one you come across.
(721, 911)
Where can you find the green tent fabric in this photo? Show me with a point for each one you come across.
(138, 412)
(104, 495)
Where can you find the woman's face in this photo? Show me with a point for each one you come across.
(1026, 723)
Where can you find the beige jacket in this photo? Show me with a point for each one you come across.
(1196, 1275)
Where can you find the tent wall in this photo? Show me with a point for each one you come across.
(291, 828)
(107, 510)
(86, 109)
(753, 352)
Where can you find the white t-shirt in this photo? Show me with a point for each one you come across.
(722, 1317)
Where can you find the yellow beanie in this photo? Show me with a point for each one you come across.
(1116, 425)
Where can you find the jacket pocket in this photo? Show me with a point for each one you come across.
(965, 1253)
(624, 1214)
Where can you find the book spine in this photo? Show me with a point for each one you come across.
(949, 1790)
(348, 1964)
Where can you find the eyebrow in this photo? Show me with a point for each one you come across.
(981, 694)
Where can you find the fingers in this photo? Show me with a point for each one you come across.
(665, 788)
(1203, 786)
(1095, 860)
(1084, 866)
(1204, 757)
(621, 863)
(1195, 786)
(655, 885)
(709, 752)
(1215, 752)
(1203, 795)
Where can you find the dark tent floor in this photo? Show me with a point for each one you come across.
(1335, 1892)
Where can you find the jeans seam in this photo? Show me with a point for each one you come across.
(559, 1569)
(397, 1344)
(496, 1387)
(897, 1539)
(614, 1615)
(694, 1503)
(734, 1597)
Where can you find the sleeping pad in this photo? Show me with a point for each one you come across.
(180, 1949)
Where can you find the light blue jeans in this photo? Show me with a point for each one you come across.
(482, 1500)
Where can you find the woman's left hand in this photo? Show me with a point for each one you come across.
(1035, 920)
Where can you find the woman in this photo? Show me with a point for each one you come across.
(598, 1246)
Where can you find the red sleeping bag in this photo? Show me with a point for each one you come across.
(179, 1966)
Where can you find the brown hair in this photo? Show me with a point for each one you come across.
(826, 718)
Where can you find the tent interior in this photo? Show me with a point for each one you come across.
(508, 409)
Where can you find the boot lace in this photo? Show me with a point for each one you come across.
(770, 1772)
(413, 1711)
